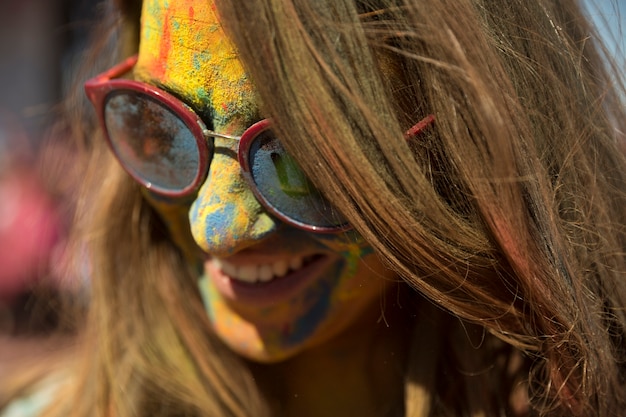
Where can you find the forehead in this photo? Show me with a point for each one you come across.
(184, 49)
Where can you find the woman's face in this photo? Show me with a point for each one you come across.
(270, 290)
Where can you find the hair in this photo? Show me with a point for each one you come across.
(510, 212)
(507, 216)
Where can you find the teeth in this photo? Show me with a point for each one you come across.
(260, 273)
(295, 263)
(226, 268)
(265, 273)
(247, 273)
(280, 268)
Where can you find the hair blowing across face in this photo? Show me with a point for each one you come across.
(510, 212)
(507, 213)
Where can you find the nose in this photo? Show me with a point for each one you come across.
(226, 218)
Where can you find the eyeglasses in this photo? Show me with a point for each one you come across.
(164, 145)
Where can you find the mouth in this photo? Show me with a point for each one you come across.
(264, 283)
(265, 272)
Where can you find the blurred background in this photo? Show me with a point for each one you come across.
(610, 18)
(39, 41)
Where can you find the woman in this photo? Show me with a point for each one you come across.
(373, 208)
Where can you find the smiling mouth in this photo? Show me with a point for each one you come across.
(259, 283)
(263, 272)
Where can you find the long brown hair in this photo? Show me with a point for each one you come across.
(507, 214)
(510, 213)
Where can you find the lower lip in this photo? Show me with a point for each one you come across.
(266, 293)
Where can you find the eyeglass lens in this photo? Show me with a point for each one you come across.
(284, 185)
(151, 141)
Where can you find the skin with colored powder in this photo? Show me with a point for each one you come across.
(184, 48)
(337, 278)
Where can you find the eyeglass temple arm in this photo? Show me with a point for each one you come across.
(419, 127)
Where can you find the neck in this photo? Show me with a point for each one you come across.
(360, 372)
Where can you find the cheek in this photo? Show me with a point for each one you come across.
(349, 281)
(359, 278)
(354, 286)
(350, 245)
(349, 284)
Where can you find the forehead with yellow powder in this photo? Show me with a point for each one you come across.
(184, 49)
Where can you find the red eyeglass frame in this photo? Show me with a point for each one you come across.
(100, 86)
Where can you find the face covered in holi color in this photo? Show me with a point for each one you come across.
(270, 289)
